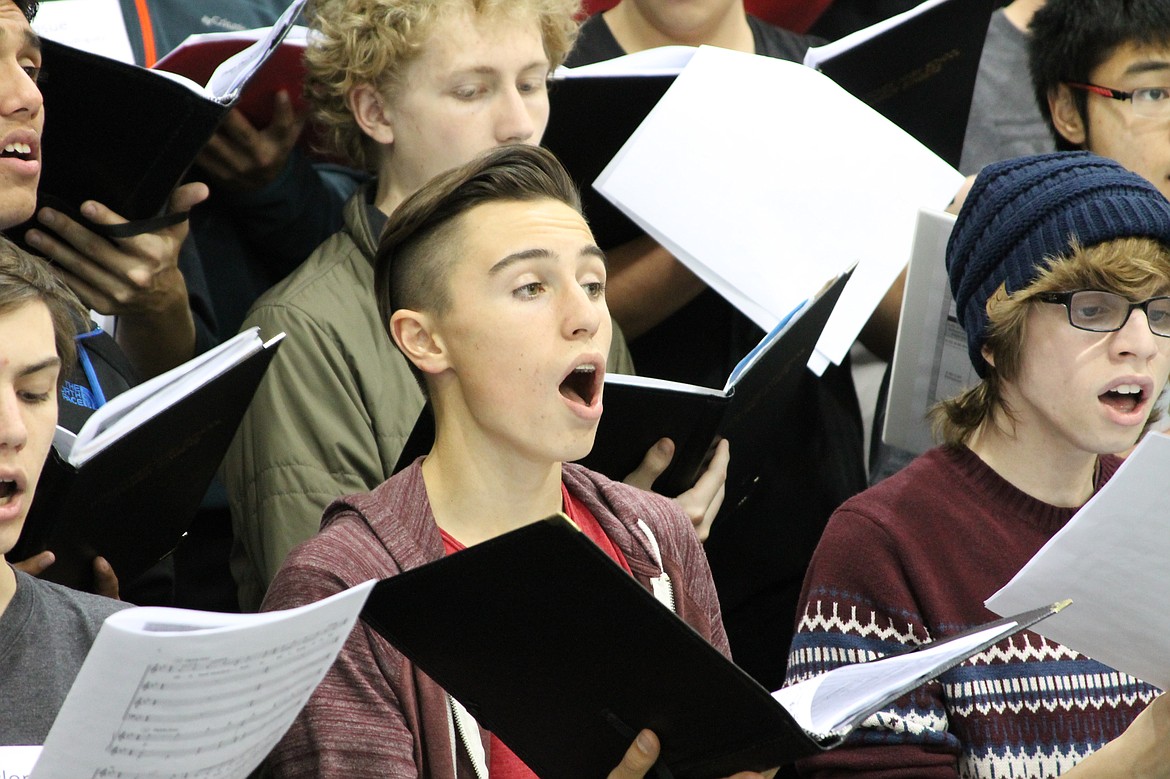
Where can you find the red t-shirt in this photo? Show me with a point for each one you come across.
(504, 763)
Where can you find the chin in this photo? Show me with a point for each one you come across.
(577, 450)
(15, 213)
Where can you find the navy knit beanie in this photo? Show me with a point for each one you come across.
(1022, 213)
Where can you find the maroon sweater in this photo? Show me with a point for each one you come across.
(375, 714)
(913, 558)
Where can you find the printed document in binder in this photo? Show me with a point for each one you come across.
(176, 693)
(762, 205)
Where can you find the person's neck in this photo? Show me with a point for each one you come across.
(478, 494)
(7, 584)
(386, 196)
(1032, 464)
(634, 32)
(1020, 12)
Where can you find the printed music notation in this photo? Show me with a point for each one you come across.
(174, 694)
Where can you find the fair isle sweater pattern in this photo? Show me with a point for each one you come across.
(1026, 707)
(912, 560)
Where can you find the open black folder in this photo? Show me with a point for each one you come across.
(589, 121)
(565, 657)
(134, 498)
(124, 135)
(920, 73)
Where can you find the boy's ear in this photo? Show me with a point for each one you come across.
(371, 113)
(413, 332)
(988, 355)
(1065, 116)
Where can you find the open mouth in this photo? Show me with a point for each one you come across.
(7, 491)
(1124, 397)
(581, 385)
(18, 150)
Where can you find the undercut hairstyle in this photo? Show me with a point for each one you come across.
(371, 42)
(422, 240)
(26, 279)
(1136, 268)
(1071, 38)
(27, 7)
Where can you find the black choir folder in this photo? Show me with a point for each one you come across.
(589, 121)
(750, 411)
(128, 486)
(124, 135)
(919, 72)
(565, 657)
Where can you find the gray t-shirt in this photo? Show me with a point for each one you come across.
(1004, 121)
(45, 634)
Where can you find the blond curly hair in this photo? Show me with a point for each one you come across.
(370, 42)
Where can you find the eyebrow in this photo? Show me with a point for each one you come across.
(1147, 66)
(48, 362)
(487, 70)
(31, 39)
(541, 254)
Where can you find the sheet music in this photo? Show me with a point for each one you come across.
(778, 178)
(137, 404)
(90, 25)
(174, 693)
(1111, 560)
(930, 361)
(230, 78)
(17, 762)
(824, 703)
(659, 61)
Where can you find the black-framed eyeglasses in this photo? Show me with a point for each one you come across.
(1105, 312)
(1150, 102)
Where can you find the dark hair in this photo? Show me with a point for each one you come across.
(27, 7)
(26, 279)
(416, 248)
(1071, 38)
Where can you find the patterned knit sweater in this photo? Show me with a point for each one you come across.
(912, 559)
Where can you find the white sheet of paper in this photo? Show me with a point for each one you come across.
(930, 358)
(765, 178)
(90, 25)
(17, 762)
(174, 693)
(1110, 559)
(661, 60)
(821, 704)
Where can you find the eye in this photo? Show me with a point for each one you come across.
(1158, 311)
(529, 291)
(469, 91)
(530, 86)
(1152, 94)
(594, 289)
(34, 398)
(1090, 312)
(32, 71)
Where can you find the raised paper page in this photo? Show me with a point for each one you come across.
(764, 178)
(1111, 560)
(177, 693)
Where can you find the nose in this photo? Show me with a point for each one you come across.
(1136, 338)
(18, 92)
(515, 122)
(13, 432)
(583, 314)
